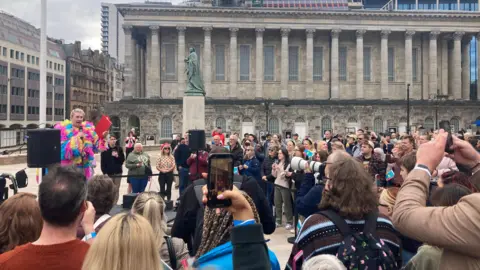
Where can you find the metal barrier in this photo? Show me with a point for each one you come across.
(12, 137)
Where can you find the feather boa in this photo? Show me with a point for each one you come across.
(73, 147)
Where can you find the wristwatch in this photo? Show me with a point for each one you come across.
(423, 168)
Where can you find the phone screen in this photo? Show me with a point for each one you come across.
(220, 178)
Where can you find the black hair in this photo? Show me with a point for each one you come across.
(286, 157)
(61, 195)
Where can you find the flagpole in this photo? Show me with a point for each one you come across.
(43, 68)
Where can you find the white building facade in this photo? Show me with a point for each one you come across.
(113, 37)
(320, 69)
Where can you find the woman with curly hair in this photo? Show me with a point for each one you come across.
(216, 248)
(20, 221)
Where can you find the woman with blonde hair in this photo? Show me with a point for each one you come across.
(151, 206)
(165, 166)
(126, 242)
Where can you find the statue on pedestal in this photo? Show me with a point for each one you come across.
(194, 80)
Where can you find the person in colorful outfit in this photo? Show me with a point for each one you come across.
(79, 142)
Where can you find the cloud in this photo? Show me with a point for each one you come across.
(70, 20)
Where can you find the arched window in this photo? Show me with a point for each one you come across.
(326, 124)
(455, 124)
(273, 126)
(429, 124)
(221, 122)
(299, 120)
(247, 119)
(166, 128)
(378, 125)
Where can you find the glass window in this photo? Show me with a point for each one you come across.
(220, 62)
(244, 62)
(455, 124)
(367, 64)
(317, 63)
(378, 125)
(28, 58)
(269, 63)
(12, 53)
(221, 122)
(391, 64)
(342, 54)
(17, 55)
(170, 62)
(4, 51)
(273, 126)
(166, 131)
(38, 61)
(293, 63)
(326, 124)
(429, 125)
(22, 56)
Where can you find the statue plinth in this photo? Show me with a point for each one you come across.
(193, 112)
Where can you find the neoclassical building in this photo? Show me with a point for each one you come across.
(302, 71)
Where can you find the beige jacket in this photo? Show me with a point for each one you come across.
(456, 229)
(181, 252)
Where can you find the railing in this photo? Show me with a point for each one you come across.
(12, 137)
(389, 6)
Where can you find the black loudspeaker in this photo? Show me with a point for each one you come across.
(196, 139)
(43, 147)
(128, 200)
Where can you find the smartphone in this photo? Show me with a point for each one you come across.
(220, 179)
(445, 125)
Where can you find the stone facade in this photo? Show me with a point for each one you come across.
(338, 58)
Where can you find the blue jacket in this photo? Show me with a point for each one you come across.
(221, 257)
(308, 196)
(253, 169)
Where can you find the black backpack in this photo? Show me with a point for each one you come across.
(362, 250)
(197, 186)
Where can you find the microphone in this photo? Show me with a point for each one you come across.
(80, 129)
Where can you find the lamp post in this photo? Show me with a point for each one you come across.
(408, 108)
(267, 104)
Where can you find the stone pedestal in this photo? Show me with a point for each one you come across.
(193, 113)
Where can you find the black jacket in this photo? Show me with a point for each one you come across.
(112, 165)
(186, 218)
(237, 153)
(182, 153)
(246, 241)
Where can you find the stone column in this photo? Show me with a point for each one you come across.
(259, 63)
(359, 68)
(334, 65)
(181, 61)
(142, 73)
(148, 63)
(457, 65)
(433, 70)
(384, 64)
(408, 58)
(478, 63)
(129, 72)
(138, 71)
(233, 62)
(444, 66)
(309, 63)
(207, 59)
(284, 63)
(466, 68)
(153, 89)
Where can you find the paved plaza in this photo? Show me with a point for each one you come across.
(277, 242)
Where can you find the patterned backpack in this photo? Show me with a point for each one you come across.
(362, 250)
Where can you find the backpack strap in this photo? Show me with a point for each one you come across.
(198, 185)
(338, 221)
(171, 252)
(371, 223)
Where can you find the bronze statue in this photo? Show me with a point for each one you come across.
(194, 80)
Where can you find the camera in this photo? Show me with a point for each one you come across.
(299, 163)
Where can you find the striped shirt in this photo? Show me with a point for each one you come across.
(320, 236)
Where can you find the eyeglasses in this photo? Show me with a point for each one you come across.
(166, 148)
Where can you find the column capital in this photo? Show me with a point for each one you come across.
(310, 32)
(259, 31)
(458, 35)
(181, 29)
(285, 32)
(359, 33)
(409, 34)
(154, 27)
(233, 31)
(385, 33)
(434, 34)
(336, 33)
(208, 30)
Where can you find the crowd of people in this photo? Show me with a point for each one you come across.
(360, 201)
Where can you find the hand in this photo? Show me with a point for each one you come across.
(240, 167)
(274, 166)
(431, 153)
(464, 153)
(193, 156)
(80, 134)
(264, 178)
(104, 134)
(245, 167)
(288, 174)
(88, 218)
(240, 208)
(139, 164)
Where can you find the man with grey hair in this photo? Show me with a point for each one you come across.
(80, 142)
(236, 150)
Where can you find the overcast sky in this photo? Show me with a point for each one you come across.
(66, 19)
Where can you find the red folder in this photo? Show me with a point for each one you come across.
(103, 125)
